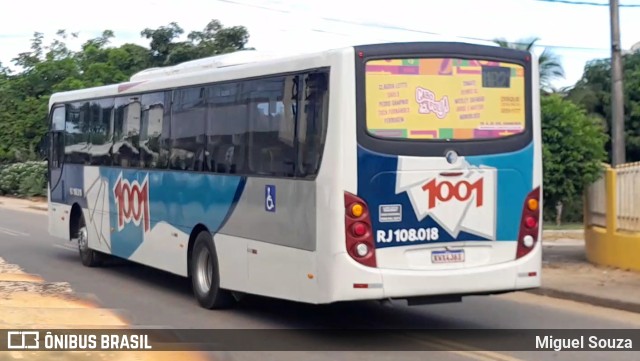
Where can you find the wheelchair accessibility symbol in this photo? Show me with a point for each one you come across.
(270, 198)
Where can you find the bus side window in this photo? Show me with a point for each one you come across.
(226, 129)
(154, 130)
(101, 131)
(312, 122)
(76, 137)
(126, 137)
(188, 129)
(271, 149)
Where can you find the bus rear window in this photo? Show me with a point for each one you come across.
(444, 98)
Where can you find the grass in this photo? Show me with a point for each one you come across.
(549, 226)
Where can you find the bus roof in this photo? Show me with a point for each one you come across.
(193, 67)
(213, 62)
(195, 70)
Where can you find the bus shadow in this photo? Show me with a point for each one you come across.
(291, 314)
(120, 268)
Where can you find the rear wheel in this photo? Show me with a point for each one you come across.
(205, 276)
(89, 257)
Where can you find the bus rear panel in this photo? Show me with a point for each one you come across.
(449, 172)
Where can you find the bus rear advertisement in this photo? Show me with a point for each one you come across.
(385, 171)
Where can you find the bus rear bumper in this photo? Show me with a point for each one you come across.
(365, 283)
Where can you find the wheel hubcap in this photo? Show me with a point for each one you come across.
(204, 266)
(83, 241)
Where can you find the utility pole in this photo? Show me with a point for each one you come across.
(617, 100)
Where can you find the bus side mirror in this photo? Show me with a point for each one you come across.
(43, 146)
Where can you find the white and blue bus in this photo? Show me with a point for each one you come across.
(384, 171)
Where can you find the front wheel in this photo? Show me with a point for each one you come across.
(205, 276)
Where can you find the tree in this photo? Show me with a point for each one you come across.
(593, 92)
(162, 41)
(549, 63)
(53, 67)
(573, 150)
(214, 39)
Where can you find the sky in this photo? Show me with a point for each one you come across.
(577, 33)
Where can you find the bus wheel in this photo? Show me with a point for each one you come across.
(89, 257)
(205, 276)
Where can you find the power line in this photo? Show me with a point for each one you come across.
(255, 6)
(400, 28)
(588, 3)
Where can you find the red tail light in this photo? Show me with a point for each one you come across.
(358, 231)
(529, 224)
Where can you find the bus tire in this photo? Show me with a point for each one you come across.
(205, 275)
(89, 257)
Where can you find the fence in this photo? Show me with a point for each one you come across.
(612, 218)
(596, 212)
(628, 189)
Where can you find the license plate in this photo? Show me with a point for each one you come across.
(447, 256)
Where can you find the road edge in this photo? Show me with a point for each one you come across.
(24, 204)
(26, 297)
(588, 299)
(39, 208)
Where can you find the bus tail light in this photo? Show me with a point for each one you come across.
(358, 231)
(529, 224)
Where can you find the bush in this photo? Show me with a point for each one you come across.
(26, 179)
(573, 148)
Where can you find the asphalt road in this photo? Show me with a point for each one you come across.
(149, 297)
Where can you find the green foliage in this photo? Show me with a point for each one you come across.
(214, 39)
(572, 142)
(573, 152)
(550, 67)
(46, 69)
(593, 92)
(24, 179)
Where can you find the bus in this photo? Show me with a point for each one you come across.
(397, 171)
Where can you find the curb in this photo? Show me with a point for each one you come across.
(592, 300)
(554, 235)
